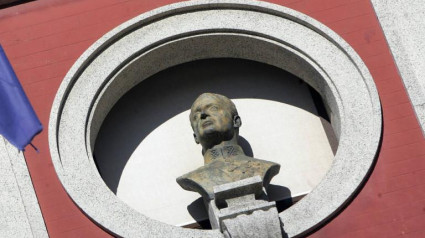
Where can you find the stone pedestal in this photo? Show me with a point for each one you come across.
(242, 209)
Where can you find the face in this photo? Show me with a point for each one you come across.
(211, 118)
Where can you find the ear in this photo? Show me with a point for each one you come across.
(237, 122)
(196, 138)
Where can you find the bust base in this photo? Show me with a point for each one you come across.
(242, 209)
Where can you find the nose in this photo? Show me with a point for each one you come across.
(203, 115)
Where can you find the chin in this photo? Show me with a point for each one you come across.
(209, 133)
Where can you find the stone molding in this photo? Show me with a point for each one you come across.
(19, 208)
(194, 30)
(404, 29)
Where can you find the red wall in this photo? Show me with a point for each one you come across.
(44, 38)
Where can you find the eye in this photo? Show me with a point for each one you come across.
(195, 116)
(213, 108)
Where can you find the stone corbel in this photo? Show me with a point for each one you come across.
(242, 209)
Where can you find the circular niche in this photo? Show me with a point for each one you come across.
(146, 142)
(196, 30)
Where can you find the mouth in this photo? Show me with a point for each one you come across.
(206, 123)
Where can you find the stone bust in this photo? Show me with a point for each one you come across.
(215, 123)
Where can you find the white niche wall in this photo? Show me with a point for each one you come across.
(146, 140)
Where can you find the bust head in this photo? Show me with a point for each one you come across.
(215, 123)
(214, 119)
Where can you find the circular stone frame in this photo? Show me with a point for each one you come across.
(194, 30)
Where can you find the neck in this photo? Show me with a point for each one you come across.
(222, 151)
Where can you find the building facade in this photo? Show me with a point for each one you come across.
(44, 39)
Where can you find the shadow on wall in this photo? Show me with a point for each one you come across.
(172, 91)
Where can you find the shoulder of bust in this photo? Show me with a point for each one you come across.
(193, 181)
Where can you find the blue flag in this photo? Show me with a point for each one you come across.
(18, 121)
